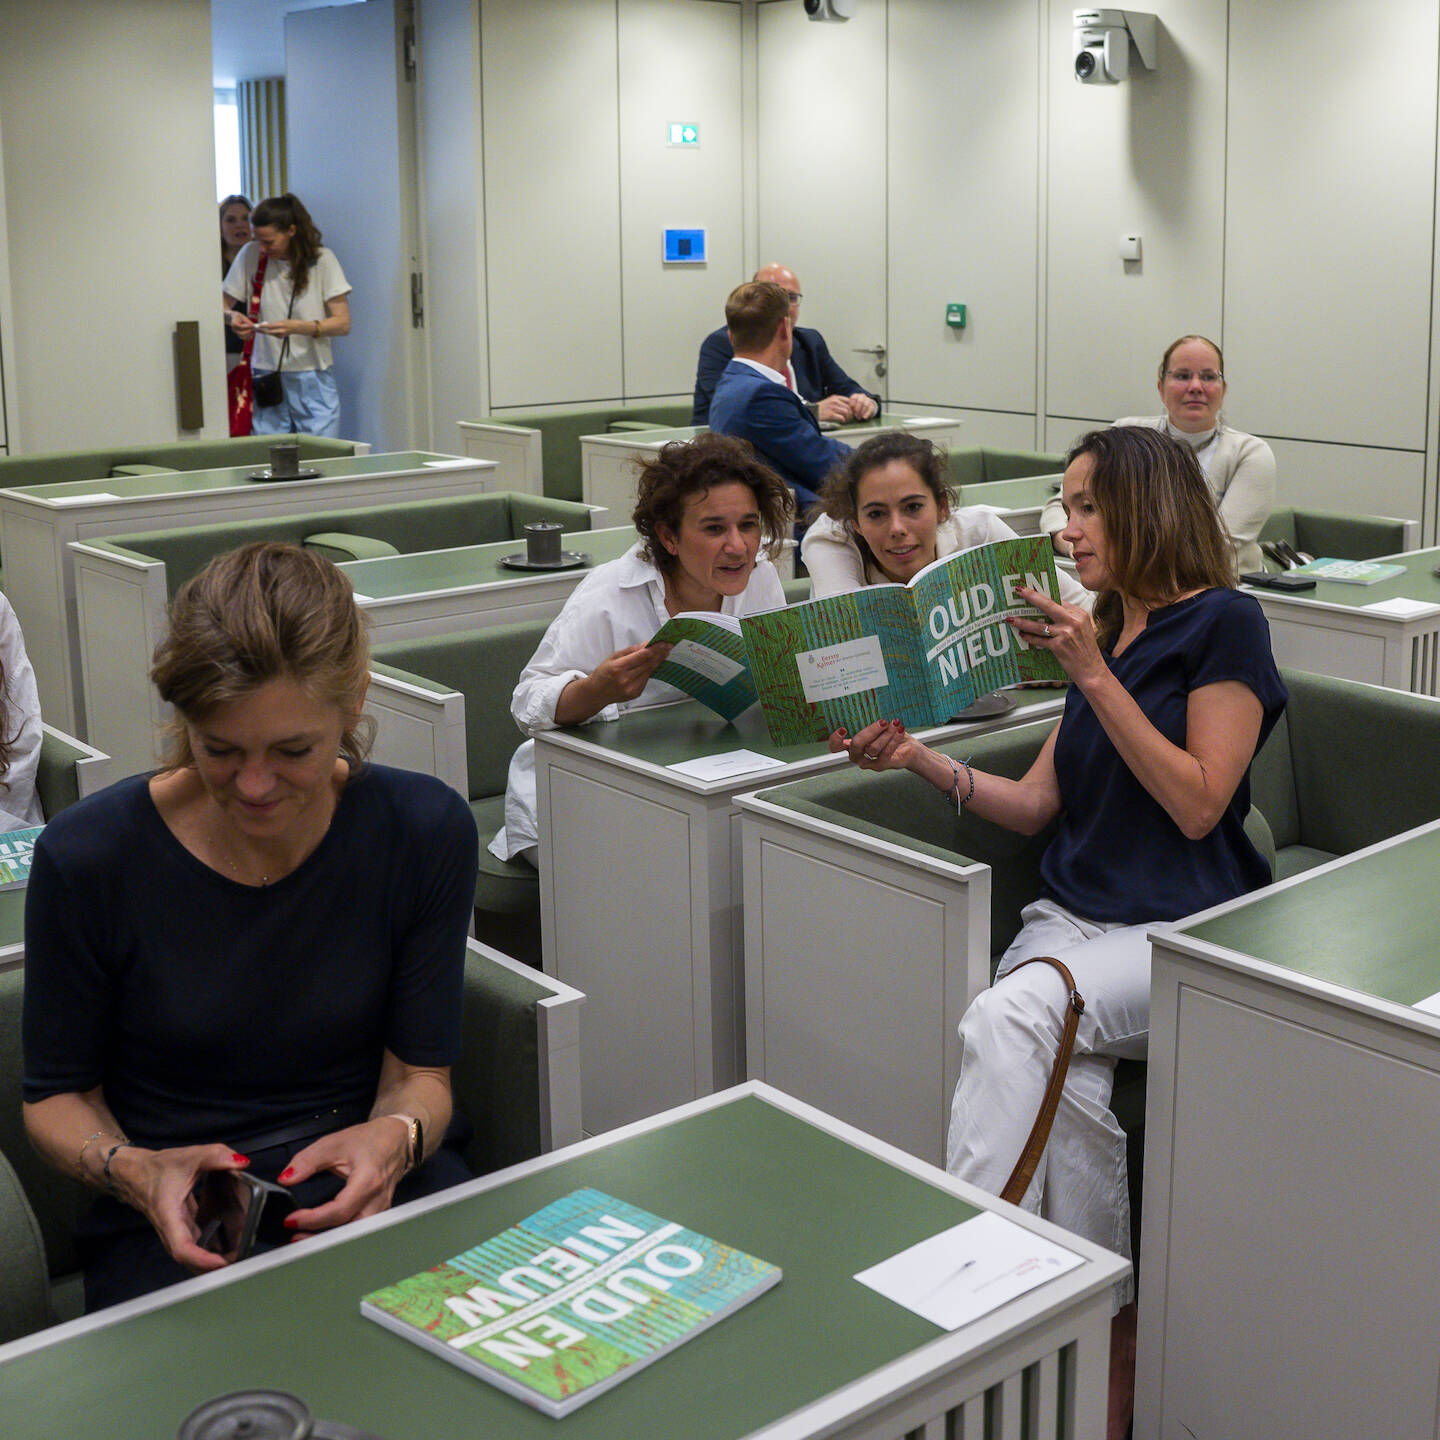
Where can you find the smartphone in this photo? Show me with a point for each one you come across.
(1278, 582)
(229, 1205)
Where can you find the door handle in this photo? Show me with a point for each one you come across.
(876, 350)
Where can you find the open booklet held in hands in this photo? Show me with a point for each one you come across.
(921, 652)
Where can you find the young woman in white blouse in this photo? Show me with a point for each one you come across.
(888, 512)
(1239, 468)
(705, 510)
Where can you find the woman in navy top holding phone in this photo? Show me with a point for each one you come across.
(251, 960)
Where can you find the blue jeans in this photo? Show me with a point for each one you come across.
(311, 406)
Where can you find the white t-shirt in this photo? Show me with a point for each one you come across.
(326, 282)
(617, 604)
(19, 804)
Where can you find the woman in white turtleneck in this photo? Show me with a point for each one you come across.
(1240, 468)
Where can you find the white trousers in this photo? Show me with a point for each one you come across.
(1009, 1039)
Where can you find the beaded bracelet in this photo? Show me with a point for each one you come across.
(954, 790)
(109, 1156)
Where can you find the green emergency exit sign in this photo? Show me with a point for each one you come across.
(684, 133)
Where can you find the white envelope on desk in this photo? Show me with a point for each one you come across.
(968, 1270)
(1400, 608)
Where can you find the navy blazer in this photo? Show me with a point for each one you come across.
(773, 418)
(816, 373)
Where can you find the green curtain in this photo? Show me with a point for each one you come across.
(261, 104)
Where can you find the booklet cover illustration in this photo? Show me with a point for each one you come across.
(922, 652)
(17, 849)
(573, 1299)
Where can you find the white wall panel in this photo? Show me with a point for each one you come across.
(552, 199)
(452, 215)
(107, 113)
(1330, 200)
(679, 60)
(1349, 478)
(963, 197)
(821, 167)
(1146, 156)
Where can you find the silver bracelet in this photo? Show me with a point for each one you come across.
(109, 1156)
(954, 790)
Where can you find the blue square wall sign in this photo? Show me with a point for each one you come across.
(684, 247)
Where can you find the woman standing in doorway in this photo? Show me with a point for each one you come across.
(303, 305)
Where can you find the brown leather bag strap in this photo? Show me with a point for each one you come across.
(1024, 1171)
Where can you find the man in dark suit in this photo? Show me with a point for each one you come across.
(813, 371)
(753, 401)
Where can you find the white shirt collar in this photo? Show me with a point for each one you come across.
(765, 370)
(1196, 440)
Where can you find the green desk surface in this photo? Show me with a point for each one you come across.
(1024, 492)
(184, 481)
(745, 1172)
(12, 917)
(470, 565)
(1369, 925)
(1417, 583)
(667, 734)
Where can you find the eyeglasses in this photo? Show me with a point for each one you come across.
(1184, 377)
(795, 296)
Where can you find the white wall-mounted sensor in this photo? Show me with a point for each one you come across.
(1103, 40)
(1129, 247)
(829, 12)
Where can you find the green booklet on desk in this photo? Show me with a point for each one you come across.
(1348, 572)
(569, 1302)
(922, 652)
(17, 849)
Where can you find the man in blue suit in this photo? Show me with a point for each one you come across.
(753, 401)
(813, 371)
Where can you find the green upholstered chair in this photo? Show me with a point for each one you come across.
(982, 464)
(25, 1294)
(67, 771)
(518, 1081)
(1338, 536)
(560, 430)
(483, 666)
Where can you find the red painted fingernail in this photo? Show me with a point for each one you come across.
(842, 731)
(900, 726)
(240, 1159)
(289, 1222)
(287, 1172)
(897, 724)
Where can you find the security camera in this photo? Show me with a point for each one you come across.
(1103, 39)
(829, 12)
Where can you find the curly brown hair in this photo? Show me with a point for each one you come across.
(261, 613)
(684, 468)
(1163, 534)
(283, 211)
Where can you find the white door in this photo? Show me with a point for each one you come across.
(822, 175)
(350, 119)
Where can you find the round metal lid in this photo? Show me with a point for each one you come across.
(249, 1415)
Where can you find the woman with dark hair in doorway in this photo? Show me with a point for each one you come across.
(304, 305)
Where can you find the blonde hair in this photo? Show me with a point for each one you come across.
(261, 613)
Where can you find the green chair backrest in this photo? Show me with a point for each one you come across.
(56, 780)
(977, 464)
(1346, 537)
(59, 466)
(25, 1295)
(561, 431)
(483, 665)
(57, 1200)
(409, 526)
